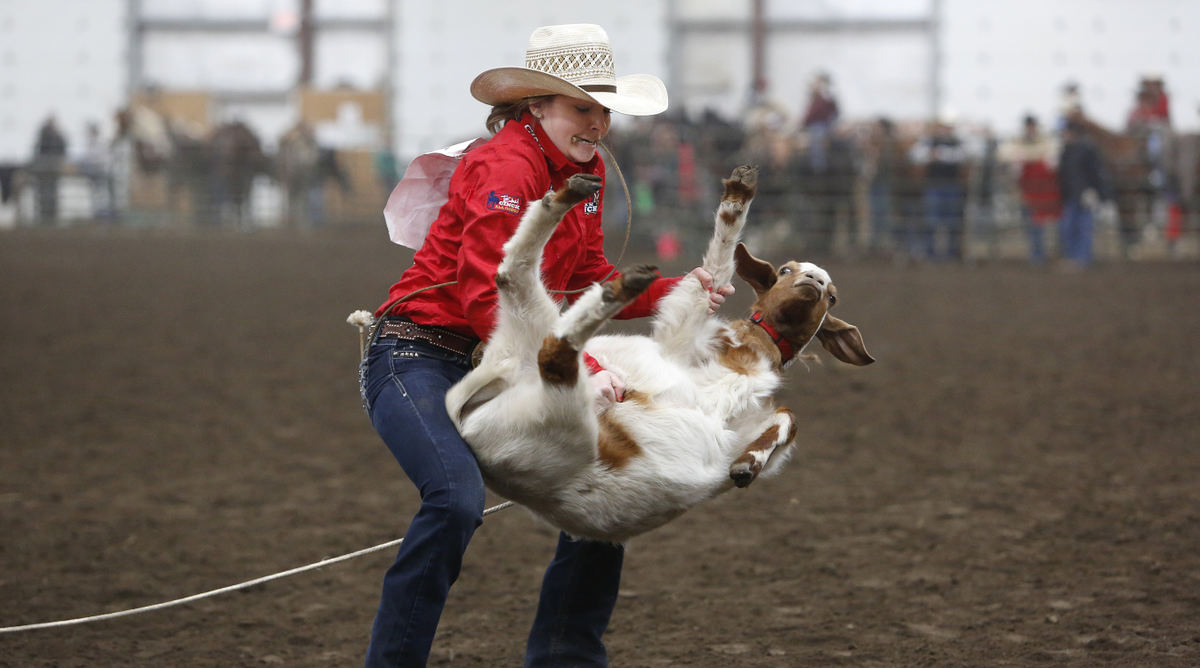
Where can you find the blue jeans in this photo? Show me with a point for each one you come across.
(1037, 240)
(1075, 232)
(404, 385)
(944, 211)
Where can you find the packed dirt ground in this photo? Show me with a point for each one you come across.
(1014, 482)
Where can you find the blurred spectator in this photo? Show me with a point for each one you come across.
(96, 165)
(985, 184)
(304, 169)
(297, 165)
(1160, 103)
(387, 168)
(944, 160)
(1144, 112)
(883, 164)
(717, 143)
(1083, 186)
(329, 168)
(829, 192)
(236, 159)
(819, 120)
(665, 191)
(123, 162)
(1070, 104)
(48, 154)
(779, 199)
(1149, 122)
(1032, 157)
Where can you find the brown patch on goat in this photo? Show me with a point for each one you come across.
(757, 345)
(793, 426)
(739, 359)
(558, 362)
(636, 397)
(616, 447)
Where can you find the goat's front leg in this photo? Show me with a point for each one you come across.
(740, 188)
(779, 432)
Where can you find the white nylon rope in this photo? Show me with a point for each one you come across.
(222, 590)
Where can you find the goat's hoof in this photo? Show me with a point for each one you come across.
(741, 478)
(742, 474)
(741, 184)
(580, 187)
(633, 282)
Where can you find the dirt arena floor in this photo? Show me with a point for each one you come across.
(1015, 482)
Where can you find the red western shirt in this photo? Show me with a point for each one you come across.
(489, 192)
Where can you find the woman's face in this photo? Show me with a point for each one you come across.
(574, 125)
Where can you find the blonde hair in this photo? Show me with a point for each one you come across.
(511, 111)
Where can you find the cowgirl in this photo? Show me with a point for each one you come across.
(547, 119)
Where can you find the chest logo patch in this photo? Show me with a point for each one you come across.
(592, 206)
(502, 202)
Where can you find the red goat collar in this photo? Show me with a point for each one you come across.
(786, 350)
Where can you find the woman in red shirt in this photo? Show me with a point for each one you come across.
(548, 118)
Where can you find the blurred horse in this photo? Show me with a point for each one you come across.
(1138, 173)
(216, 169)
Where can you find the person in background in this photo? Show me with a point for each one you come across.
(1032, 158)
(296, 163)
(547, 118)
(882, 167)
(944, 159)
(96, 165)
(1083, 185)
(49, 152)
(820, 119)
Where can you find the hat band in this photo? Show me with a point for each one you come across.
(599, 88)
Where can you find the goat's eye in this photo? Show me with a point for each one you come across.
(785, 270)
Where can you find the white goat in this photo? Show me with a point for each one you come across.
(698, 415)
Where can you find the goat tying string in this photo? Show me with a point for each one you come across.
(222, 590)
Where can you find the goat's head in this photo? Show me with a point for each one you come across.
(795, 301)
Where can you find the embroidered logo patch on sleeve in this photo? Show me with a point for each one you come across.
(501, 202)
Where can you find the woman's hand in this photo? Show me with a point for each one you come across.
(715, 297)
(608, 387)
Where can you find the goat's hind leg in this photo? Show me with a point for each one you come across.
(558, 359)
(777, 435)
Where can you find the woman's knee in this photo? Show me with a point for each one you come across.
(457, 509)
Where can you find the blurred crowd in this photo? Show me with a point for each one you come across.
(940, 190)
(829, 184)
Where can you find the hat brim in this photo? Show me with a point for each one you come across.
(636, 94)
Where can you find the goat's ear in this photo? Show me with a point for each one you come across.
(760, 274)
(844, 342)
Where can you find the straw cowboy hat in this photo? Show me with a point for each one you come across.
(573, 60)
